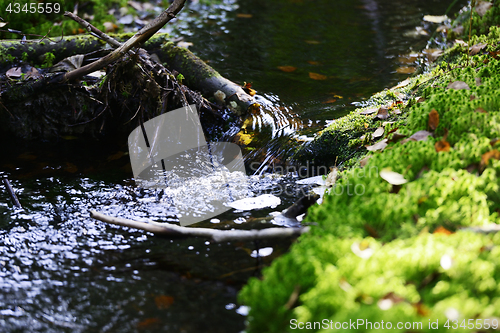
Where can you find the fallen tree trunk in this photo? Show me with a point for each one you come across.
(171, 230)
(50, 107)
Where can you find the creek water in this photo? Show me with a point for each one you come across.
(61, 271)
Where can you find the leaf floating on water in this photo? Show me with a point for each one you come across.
(287, 69)
(312, 180)
(458, 85)
(433, 119)
(392, 177)
(262, 201)
(378, 146)
(329, 101)
(242, 15)
(163, 302)
(313, 42)
(432, 54)
(315, 63)
(420, 136)
(406, 70)
(148, 323)
(316, 76)
(335, 95)
(435, 18)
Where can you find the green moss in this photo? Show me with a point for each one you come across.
(38, 23)
(48, 60)
(406, 273)
(409, 280)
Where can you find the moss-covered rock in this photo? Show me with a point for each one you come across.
(394, 251)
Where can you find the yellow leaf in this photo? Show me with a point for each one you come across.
(316, 76)
(287, 69)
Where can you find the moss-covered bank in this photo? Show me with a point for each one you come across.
(412, 251)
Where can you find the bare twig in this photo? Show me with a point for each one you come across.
(93, 30)
(140, 37)
(11, 192)
(217, 235)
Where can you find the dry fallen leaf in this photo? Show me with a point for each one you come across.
(480, 110)
(109, 26)
(241, 15)
(287, 69)
(396, 137)
(378, 146)
(364, 161)
(14, 73)
(332, 177)
(485, 158)
(378, 133)
(402, 84)
(383, 113)
(420, 136)
(442, 231)
(163, 302)
(458, 85)
(432, 54)
(316, 76)
(482, 7)
(433, 119)
(312, 62)
(148, 323)
(474, 49)
(328, 101)
(392, 177)
(442, 145)
(313, 42)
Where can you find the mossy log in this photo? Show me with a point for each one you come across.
(45, 108)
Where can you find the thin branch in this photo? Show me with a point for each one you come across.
(173, 230)
(12, 193)
(140, 37)
(108, 39)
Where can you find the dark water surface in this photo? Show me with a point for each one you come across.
(61, 271)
